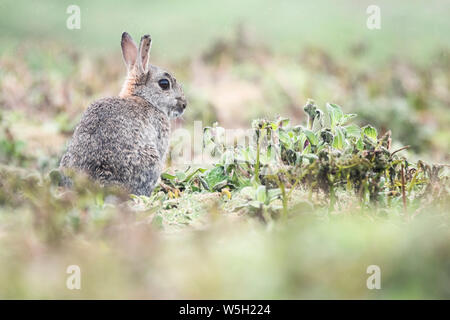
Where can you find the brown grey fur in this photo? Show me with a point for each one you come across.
(123, 140)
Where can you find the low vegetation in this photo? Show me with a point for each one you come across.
(294, 207)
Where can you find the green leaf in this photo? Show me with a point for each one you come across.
(335, 113)
(370, 132)
(360, 144)
(312, 137)
(255, 204)
(353, 130)
(204, 183)
(167, 176)
(214, 177)
(306, 150)
(339, 139)
(311, 157)
(194, 173)
(347, 117)
(284, 137)
(283, 122)
(180, 175)
(273, 194)
(220, 185)
(261, 194)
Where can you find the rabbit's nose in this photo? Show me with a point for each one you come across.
(182, 103)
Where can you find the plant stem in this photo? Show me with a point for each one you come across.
(284, 199)
(403, 191)
(258, 150)
(401, 149)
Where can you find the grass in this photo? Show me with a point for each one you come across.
(317, 216)
(209, 252)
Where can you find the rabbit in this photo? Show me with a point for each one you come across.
(123, 140)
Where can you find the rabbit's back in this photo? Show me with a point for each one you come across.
(120, 141)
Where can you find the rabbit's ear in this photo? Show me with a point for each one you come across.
(129, 50)
(144, 52)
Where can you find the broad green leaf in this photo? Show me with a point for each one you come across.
(339, 139)
(301, 141)
(311, 157)
(218, 186)
(194, 173)
(204, 183)
(311, 137)
(261, 194)
(283, 122)
(284, 137)
(335, 113)
(360, 144)
(353, 130)
(215, 176)
(240, 180)
(167, 176)
(347, 117)
(307, 150)
(320, 147)
(255, 204)
(180, 175)
(273, 194)
(370, 132)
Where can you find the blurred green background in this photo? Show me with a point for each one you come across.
(263, 58)
(408, 28)
(237, 60)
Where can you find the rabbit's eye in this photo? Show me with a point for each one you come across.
(164, 84)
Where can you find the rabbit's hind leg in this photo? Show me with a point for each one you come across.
(146, 173)
(145, 181)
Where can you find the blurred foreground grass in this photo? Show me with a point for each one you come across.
(197, 247)
(232, 258)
